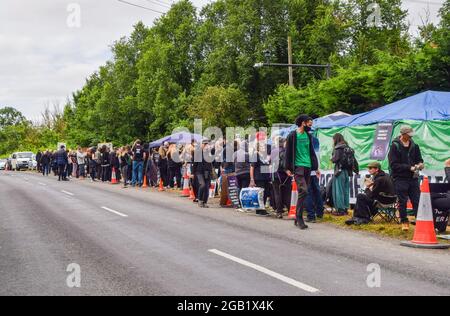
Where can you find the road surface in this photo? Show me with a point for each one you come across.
(142, 242)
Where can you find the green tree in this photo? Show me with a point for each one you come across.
(221, 107)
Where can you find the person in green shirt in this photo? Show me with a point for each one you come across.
(300, 160)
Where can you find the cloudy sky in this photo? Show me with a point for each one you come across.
(43, 60)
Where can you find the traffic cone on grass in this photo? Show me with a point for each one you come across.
(425, 235)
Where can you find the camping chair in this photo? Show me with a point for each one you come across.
(387, 212)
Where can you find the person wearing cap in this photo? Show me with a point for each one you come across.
(379, 187)
(405, 162)
(300, 160)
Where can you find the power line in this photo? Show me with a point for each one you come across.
(139, 6)
(159, 3)
(166, 3)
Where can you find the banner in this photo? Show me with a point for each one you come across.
(382, 140)
(431, 136)
(357, 181)
(233, 191)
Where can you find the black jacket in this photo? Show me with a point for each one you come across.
(45, 159)
(203, 166)
(382, 187)
(400, 165)
(291, 147)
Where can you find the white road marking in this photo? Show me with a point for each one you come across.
(68, 193)
(115, 212)
(43, 184)
(275, 275)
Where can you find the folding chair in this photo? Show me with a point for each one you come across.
(387, 212)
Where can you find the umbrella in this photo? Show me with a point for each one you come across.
(178, 138)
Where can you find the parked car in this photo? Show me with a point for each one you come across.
(22, 160)
(3, 164)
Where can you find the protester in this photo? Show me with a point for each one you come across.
(74, 164)
(260, 175)
(405, 163)
(105, 163)
(163, 165)
(174, 165)
(300, 160)
(61, 160)
(314, 200)
(38, 161)
(81, 157)
(115, 164)
(92, 158)
(379, 188)
(125, 163)
(155, 167)
(45, 163)
(281, 183)
(138, 164)
(242, 166)
(202, 172)
(342, 154)
(69, 167)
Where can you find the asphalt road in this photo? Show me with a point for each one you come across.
(142, 242)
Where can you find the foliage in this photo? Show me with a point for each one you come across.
(192, 64)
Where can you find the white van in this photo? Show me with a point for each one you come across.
(21, 160)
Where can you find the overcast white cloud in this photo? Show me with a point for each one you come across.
(43, 60)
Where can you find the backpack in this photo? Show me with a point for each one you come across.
(348, 160)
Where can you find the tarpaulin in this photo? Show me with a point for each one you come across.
(426, 106)
(433, 137)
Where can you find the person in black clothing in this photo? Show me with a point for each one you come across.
(174, 166)
(105, 163)
(281, 183)
(115, 163)
(405, 162)
(163, 168)
(202, 172)
(125, 163)
(260, 174)
(61, 160)
(379, 188)
(38, 160)
(45, 163)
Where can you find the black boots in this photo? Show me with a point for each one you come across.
(299, 221)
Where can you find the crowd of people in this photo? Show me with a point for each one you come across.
(256, 165)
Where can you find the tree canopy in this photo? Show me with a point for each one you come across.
(199, 64)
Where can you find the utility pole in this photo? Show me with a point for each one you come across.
(291, 70)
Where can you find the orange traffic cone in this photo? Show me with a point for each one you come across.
(113, 176)
(144, 185)
(425, 235)
(185, 192)
(161, 185)
(294, 200)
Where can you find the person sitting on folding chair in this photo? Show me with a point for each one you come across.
(379, 190)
